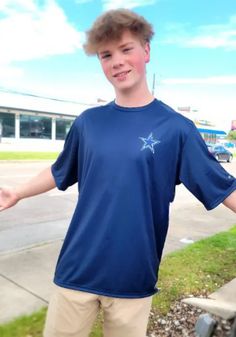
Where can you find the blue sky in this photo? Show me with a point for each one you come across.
(193, 53)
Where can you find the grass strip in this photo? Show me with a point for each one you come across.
(28, 155)
(26, 326)
(200, 268)
(21, 155)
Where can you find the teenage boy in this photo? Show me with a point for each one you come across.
(127, 158)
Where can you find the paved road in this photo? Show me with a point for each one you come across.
(45, 218)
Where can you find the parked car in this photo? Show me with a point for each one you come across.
(229, 144)
(220, 152)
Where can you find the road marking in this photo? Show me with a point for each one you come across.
(186, 240)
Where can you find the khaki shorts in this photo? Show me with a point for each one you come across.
(71, 313)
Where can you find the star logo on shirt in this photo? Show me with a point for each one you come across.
(149, 143)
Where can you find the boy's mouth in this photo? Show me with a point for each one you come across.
(122, 73)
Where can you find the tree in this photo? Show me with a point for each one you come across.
(232, 135)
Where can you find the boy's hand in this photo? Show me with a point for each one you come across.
(8, 198)
(41, 183)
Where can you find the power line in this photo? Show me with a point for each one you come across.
(15, 92)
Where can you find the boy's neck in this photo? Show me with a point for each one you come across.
(131, 99)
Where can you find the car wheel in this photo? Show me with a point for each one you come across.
(230, 159)
(217, 157)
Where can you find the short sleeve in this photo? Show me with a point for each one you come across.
(65, 169)
(201, 173)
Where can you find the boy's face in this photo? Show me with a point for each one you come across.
(124, 62)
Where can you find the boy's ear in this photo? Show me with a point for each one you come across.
(147, 52)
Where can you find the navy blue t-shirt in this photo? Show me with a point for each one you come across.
(127, 162)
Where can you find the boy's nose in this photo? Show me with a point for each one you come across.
(117, 61)
(117, 65)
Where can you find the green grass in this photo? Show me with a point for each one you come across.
(32, 155)
(200, 268)
(27, 326)
(28, 155)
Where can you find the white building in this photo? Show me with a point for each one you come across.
(209, 132)
(36, 123)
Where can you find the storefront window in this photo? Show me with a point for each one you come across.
(35, 127)
(62, 128)
(209, 137)
(7, 125)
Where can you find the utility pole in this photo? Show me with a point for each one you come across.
(153, 84)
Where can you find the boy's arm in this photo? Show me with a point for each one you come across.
(230, 201)
(41, 183)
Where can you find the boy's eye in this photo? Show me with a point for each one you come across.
(126, 50)
(105, 56)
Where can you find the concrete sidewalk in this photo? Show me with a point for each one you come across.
(26, 274)
(221, 303)
(26, 283)
(26, 280)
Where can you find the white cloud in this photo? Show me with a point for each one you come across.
(215, 80)
(113, 4)
(206, 36)
(31, 32)
(10, 72)
(8, 6)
